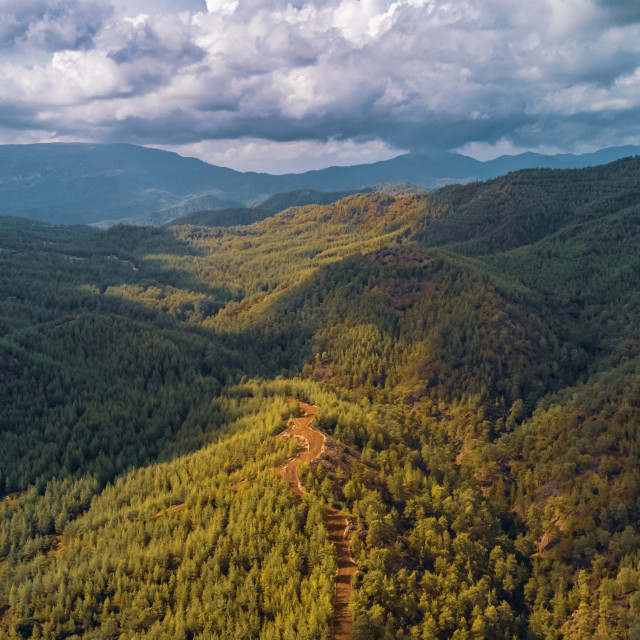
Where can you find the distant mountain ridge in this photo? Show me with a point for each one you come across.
(76, 183)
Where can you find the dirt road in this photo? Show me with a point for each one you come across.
(340, 530)
(312, 445)
(339, 525)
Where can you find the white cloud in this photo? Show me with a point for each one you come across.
(71, 77)
(300, 76)
(274, 157)
(225, 7)
(484, 151)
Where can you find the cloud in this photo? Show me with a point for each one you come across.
(254, 154)
(503, 147)
(621, 12)
(160, 7)
(51, 25)
(163, 40)
(402, 74)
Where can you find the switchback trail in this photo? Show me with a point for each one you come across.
(339, 525)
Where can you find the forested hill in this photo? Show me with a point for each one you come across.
(473, 351)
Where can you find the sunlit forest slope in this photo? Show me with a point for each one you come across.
(473, 351)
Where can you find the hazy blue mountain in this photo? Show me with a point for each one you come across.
(188, 206)
(93, 183)
(82, 183)
(529, 160)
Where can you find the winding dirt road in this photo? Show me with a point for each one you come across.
(339, 525)
(312, 445)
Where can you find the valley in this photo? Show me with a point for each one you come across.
(458, 374)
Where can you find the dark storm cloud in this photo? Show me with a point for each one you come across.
(15, 118)
(563, 130)
(443, 131)
(606, 70)
(620, 11)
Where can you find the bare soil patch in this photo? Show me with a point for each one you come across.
(11, 499)
(311, 446)
(176, 508)
(340, 526)
(59, 545)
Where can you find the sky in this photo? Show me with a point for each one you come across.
(268, 85)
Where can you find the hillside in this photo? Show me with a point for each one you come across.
(111, 183)
(473, 354)
(223, 217)
(264, 208)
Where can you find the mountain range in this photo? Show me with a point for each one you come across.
(115, 183)
(469, 358)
